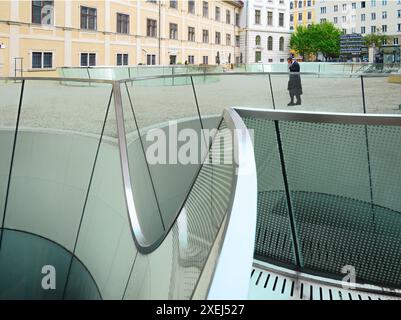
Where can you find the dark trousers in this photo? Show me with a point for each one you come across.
(292, 95)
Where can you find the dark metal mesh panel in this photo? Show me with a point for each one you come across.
(273, 238)
(344, 182)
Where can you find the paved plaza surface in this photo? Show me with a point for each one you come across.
(82, 107)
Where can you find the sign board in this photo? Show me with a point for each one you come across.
(351, 43)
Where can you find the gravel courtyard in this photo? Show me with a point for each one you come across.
(81, 107)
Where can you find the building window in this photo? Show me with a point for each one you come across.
(173, 4)
(151, 59)
(122, 59)
(281, 19)
(191, 34)
(257, 16)
(205, 60)
(228, 16)
(217, 13)
(218, 38)
(258, 56)
(237, 41)
(373, 29)
(191, 6)
(363, 30)
(270, 43)
(269, 18)
(122, 23)
(205, 36)
(191, 59)
(42, 60)
(228, 39)
(237, 20)
(88, 18)
(281, 44)
(151, 28)
(205, 9)
(384, 28)
(42, 12)
(257, 40)
(88, 59)
(395, 41)
(173, 31)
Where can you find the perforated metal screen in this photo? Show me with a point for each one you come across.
(344, 183)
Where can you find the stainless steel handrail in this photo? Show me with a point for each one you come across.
(56, 79)
(322, 75)
(234, 250)
(321, 117)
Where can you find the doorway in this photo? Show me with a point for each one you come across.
(173, 59)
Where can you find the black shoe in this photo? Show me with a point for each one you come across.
(298, 103)
(291, 104)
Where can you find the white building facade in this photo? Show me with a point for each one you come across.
(363, 17)
(265, 32)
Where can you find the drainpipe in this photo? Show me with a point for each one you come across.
(160, 27)
(246, 33)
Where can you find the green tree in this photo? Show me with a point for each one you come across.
(328, 39)
(301, 41)
(324, 38)
(375, 40)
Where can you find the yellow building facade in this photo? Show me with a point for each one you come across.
(39, 36)
(302, 13)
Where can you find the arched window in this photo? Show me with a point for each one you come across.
(281, 46)
(257, 40)
(270, 43)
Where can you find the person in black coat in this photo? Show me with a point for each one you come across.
(294, 83)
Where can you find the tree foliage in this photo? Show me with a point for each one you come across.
(375, 40)
(323, 38)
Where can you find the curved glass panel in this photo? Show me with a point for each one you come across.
(32, 267)
(10, 92)
(105, 242)
(58, 137)
(317, 93)
(186, 248)
(251, 91)
(383, 94)
(171, 136)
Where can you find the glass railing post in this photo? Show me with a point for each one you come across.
(363, 95)
(293, 229)
(12, 161)
(88, 189)
(271, 92)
